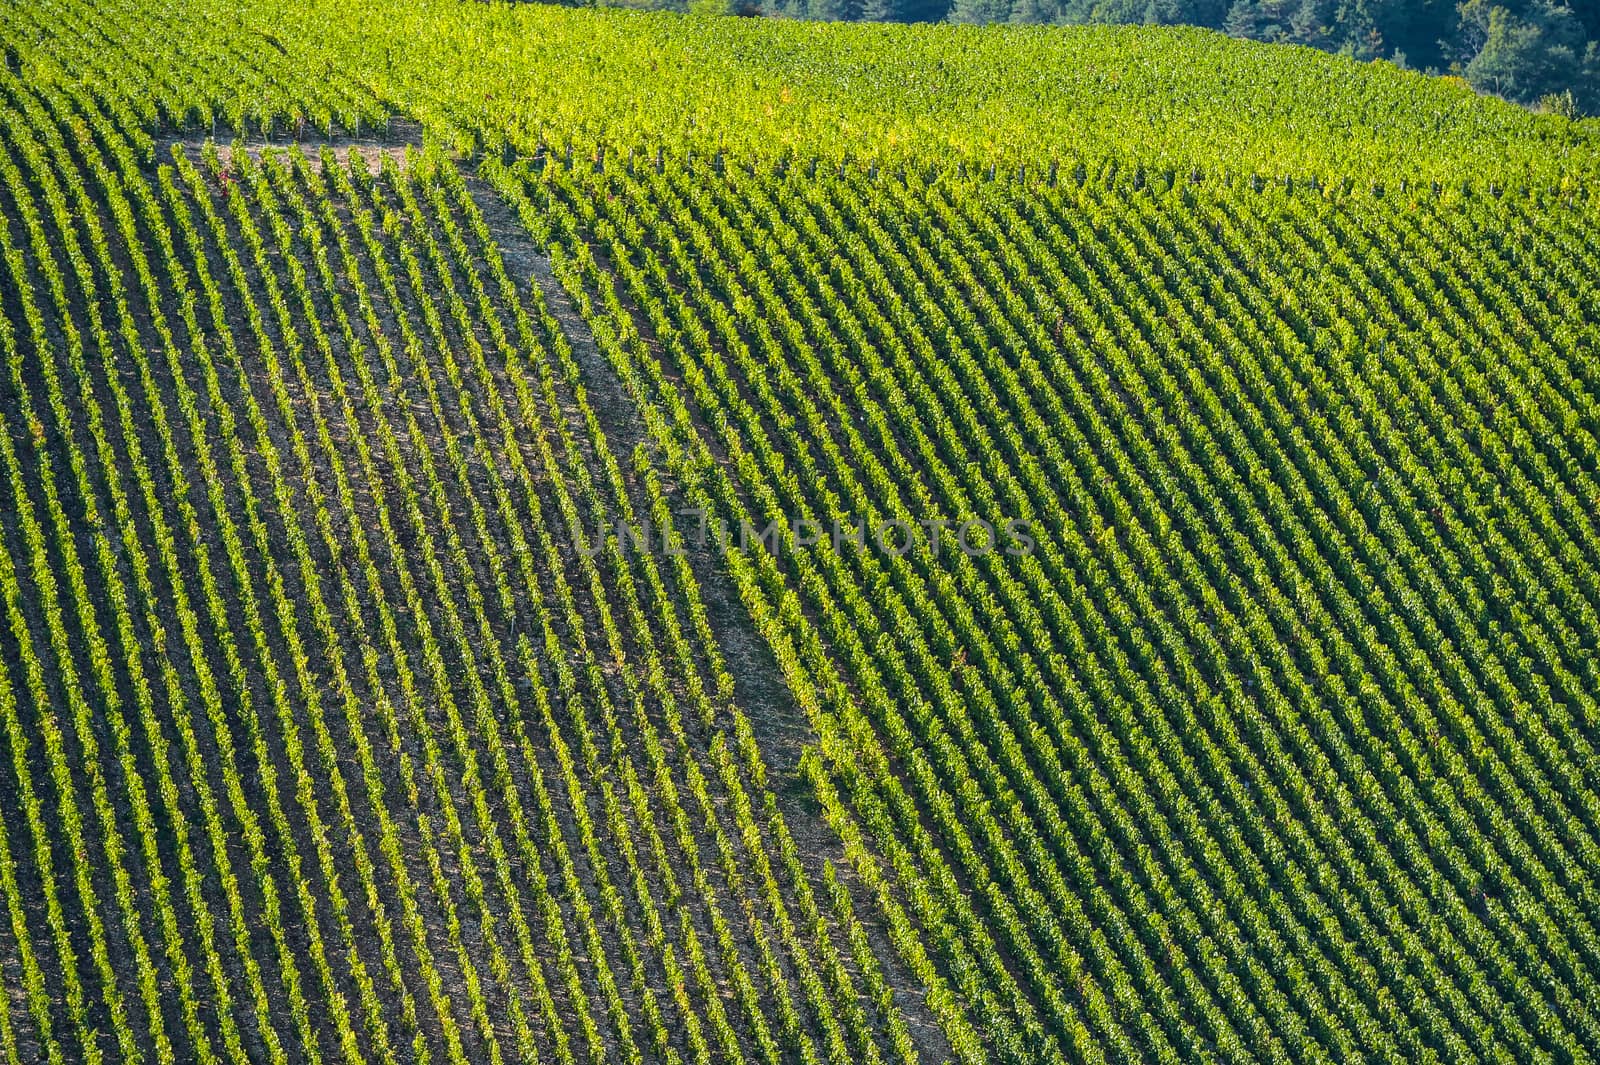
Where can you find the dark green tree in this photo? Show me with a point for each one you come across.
(831, 10)
(1261, 20)
(1523, 53)
(1312, 23)
(1035, 12)
(980, 12)
(904, 10)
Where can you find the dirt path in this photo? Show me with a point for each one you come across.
(780, 726)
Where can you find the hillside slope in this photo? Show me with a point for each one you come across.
(581, 537)
(524, 74)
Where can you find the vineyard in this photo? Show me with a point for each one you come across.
(370, 690)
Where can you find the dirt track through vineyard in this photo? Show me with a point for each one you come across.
(779, 724)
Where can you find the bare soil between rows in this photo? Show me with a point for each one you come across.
(400, 136)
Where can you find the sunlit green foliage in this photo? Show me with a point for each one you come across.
(332, 727)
